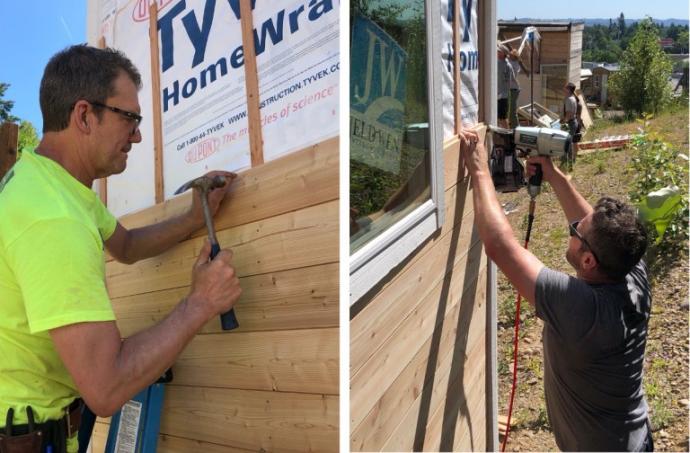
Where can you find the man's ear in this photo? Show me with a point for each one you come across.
(588, 260)
(80, 116)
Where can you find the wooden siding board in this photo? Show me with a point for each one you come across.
(370, 328)
(295, 181)
(297, 239)
(174, 444)
(293, 299)
(253, 420)
(385, 364)
(465, 432)
(299, 361)
(403, 438)
(241, 420)
(399, 398)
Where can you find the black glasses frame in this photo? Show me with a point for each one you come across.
(573, 232)
(129, 115)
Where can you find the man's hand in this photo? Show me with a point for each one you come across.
(474, 153)
(215, 197)
(215, 286)
(547, 167)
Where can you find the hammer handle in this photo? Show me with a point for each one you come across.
(228, 320)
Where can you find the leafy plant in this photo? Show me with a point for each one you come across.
(657, 165)
(641, 85)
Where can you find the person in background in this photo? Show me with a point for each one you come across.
(517, 66)
(504, 75)
(572, 111)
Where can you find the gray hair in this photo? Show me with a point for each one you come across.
(80, 72)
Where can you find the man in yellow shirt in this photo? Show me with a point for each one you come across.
(58, 337)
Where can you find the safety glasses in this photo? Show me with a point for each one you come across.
(573, 232)
(134, 117)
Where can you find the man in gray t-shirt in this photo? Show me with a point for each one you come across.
(594, 340)
(595, 324)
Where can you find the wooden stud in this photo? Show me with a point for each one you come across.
(256, 144)
(456, 66)
(156, 93)
(9, 135)
(103, 182)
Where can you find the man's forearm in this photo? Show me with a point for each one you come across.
(493, 226)
(155, 239)
(145, 356)
(574, 205)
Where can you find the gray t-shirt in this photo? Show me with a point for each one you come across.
(570, 106)
(515, 65)
(505, 72)
(594, 338)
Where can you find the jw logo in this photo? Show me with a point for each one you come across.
(378, 66)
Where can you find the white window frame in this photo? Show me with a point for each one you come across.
(370, 264)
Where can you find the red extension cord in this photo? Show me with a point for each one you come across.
(530, 220)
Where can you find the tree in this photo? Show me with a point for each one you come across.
(642, 85)
(621, 24)
(5, 105)
(28, 138)
(682, 42)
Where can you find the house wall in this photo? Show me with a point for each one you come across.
(575, 59)
(422, 342)
(559, 46)
(418, 344)
(271, 384)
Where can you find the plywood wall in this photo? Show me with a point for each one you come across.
(575, 63)
(418, 355)
(272, 384)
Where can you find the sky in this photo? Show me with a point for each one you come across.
(592, 9)
(31, 31)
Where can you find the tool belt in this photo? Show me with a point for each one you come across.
(37, 437)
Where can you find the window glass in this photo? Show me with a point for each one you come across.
(389, 115)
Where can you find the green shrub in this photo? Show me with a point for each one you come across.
(655, 165)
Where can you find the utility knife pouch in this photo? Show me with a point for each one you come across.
(26, 443)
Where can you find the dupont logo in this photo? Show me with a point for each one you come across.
(141, 9)
(202, 150)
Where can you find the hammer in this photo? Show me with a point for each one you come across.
(205, 184)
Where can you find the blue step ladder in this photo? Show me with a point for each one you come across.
(135, 427)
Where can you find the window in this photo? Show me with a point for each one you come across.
(395, 142)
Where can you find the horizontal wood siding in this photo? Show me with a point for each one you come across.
(272, 384)
(418, 354)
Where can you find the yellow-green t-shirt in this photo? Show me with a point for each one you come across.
(52, 274)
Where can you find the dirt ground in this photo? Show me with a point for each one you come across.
(666, 360)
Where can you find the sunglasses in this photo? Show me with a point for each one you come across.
(573, 232)
(136, 118)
